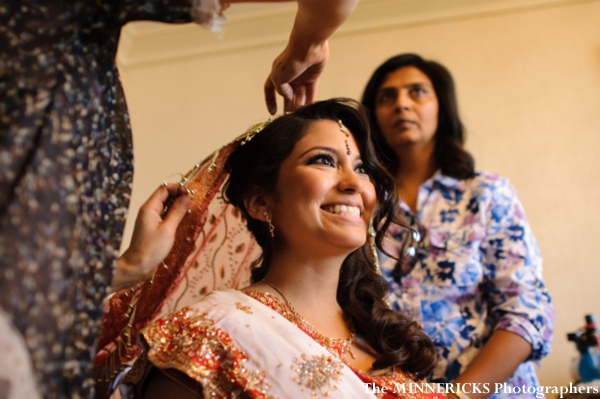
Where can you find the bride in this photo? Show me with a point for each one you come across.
(314, 322)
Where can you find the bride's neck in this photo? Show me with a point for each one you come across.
(309, 285)
(309, 282)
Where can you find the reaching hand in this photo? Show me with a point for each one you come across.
(153, 235)
(295, 77)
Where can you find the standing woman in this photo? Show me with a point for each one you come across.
(471, 271)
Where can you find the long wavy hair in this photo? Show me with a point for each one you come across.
(397, 339)
(450, 155)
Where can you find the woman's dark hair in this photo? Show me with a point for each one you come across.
(450, 156)
(361, 291)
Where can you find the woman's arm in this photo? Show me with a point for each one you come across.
(515, 291)
(153, 236)
(296, 70)
(495, 363)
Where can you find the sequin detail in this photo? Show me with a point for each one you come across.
(317, 373)
(239, 306)
(389, 380)
(193, 345)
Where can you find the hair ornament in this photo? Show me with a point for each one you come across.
(344, 130)
(255, 129)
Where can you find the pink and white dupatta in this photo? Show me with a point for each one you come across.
(213, 250)
(235, 346)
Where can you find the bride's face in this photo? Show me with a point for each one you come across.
(324, 199)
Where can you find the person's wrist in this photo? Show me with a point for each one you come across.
(302, 48)
(133, 261)
(128, 272)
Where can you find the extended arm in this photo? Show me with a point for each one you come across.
(297, 69)
(495, 363)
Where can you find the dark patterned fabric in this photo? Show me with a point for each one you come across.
(65, 174)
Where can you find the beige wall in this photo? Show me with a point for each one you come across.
(529, 93)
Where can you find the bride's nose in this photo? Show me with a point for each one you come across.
(350, 181)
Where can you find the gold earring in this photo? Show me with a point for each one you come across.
(269, 221)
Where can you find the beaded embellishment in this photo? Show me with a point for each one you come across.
(194, 345)
(308, 369)
(318, 373)
(344, 130)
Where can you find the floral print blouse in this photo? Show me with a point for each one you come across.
(478, 269)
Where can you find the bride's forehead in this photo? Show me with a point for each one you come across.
(326, 132)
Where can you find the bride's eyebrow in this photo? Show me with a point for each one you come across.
(320, 148)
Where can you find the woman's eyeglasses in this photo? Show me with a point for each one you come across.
(413, 241)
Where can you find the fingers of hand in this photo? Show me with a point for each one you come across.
(162, 199)
(299, 96)
(311, 89)
(270, 97)
(286, 91)
(175, 189)
(177, 211)
(288, 105)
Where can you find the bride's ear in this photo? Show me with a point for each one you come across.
(257, 203)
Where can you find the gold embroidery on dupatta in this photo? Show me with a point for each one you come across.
(207, 354)
(317, 374)
(247, 309)
(310, 371)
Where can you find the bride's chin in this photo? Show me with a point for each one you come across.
(351, 245)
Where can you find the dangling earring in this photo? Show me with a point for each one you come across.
(375, 256)
(269, 220)
(374, 248)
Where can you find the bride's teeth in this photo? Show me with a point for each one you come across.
(344, 210)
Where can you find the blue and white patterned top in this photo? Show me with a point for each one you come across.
(479, 269)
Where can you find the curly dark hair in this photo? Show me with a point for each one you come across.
(397, 339)
(450, 155)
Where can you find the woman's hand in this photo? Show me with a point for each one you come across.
(294, 76)
(153, 235)
(297, 69)
(495, 363)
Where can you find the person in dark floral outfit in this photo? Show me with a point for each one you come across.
(66, 163)
(471, 271)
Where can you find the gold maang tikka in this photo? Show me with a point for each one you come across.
(344, 129)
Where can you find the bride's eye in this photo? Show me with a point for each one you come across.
(323, 159)
(361, 169)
